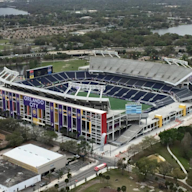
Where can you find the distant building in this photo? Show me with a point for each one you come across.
(14, 178)
(85, 18)
(36, 159)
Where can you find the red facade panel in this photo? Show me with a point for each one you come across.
(104, 124)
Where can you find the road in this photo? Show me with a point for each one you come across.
(75, 167)
(87, 173)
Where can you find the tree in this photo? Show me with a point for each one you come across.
(107, 177)
(118, 189)
(169, 136)
(149, 141)
(49, 176)
(66, 181)
(134, 149)
(67, 188)
(83, 147)
(186, 143)
(48, 136)
(144, 166)
(92, 141)
(165, 168)
(9, 124)
(100, 176)
(70, 146)
(15, 139)
(59, 174)
(123, 188)
(121, 165)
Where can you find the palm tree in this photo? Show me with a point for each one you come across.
(66, 181)
(100, 176)
(49, 176)
(60, 174)
(92, 141)
(67, 188)
(107, 177)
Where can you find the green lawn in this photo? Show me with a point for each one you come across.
(1, 47)
(178, 152)
(3, 41)
(116, 104)
(161, 150)
(71, 65)
(116, 180)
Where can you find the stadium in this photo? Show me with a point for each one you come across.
(114, 101)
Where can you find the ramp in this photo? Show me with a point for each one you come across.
(129, 134)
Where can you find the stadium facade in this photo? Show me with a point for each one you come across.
(53, 99)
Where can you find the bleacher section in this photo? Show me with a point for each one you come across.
(182, 94)
(122, 87)
(170, 74)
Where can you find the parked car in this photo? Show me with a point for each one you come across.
(42, 184)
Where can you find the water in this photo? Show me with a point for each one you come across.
(180, 30)
(12, 11)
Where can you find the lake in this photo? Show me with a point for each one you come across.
(180, 30)
(12, 11)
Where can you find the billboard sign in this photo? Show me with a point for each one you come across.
(34, 103)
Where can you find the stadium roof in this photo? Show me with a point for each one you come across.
(32, 155)
(170, 74)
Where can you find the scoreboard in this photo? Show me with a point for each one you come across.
(133, 108)
(32, 73)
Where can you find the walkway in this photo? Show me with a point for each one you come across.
(182, 167)
(177, 160)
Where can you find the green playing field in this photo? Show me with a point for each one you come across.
(116, 104)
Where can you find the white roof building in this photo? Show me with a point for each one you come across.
(36, 159)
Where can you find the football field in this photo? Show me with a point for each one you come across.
(116, 104)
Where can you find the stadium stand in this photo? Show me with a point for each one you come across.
(170, 74)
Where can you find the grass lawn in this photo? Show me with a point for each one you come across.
(161, 150)
(116, 180)
(70, 65)
(178, 152)
(116, 104)
(2, 41)
(1, 47)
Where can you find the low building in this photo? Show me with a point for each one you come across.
(14, 178)
(36, 159)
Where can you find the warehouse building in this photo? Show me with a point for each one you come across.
(36, 159)
(14, 178)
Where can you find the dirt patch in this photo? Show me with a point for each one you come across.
(2, 137)
(157, 157)
(88, 185)
(107, 190)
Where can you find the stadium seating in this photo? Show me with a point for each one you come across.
(184, 93)
(116, 86)
(58, 77)
(139, 83)
(80, 75)
(149, 84)
(71, 75)
(63, 75)
(148, 96)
